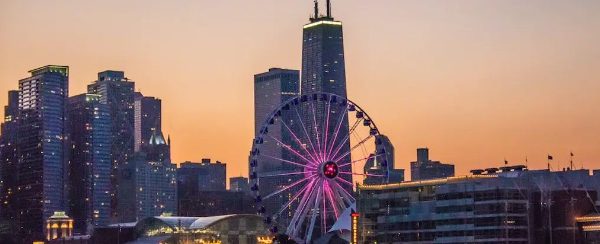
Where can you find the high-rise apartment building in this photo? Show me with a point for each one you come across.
(117, 92)
(90, 162)
(41, 148)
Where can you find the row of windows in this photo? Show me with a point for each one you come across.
(476, 234)
(484, 195)
(480, 209)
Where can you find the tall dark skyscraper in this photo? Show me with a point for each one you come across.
(147, 119)
(9, 157)
(323, 63)
(118, 93)
(324, 70)
(41, 148)
(90, 162)
(271, 89)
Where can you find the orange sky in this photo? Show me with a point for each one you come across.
(475, 81)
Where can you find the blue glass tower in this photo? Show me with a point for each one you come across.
(41, 148)
(117, 92)
(89, 175)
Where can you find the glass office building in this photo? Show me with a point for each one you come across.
(41, 148)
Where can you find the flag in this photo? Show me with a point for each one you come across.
(550, 157)
(572, 154)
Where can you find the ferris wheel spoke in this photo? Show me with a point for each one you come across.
(300, 215)
(312, 146)
(300, 144)
(288, 187)
(373, 175)
(362, 145)
(324, 213)
(329, 194)
(289, 162)
(337, 130)
(282, 174)
(289, 148)
(361, 159)
(326, 130)
(316, 130)
(339, 199)
(343, 192)
(313, 217)
(353, 148)
(308, 195)
(346, 138)
(344, 181)
(296, 196)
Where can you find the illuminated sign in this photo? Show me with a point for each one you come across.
(354, 231)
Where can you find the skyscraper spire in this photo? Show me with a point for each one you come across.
(328, 8)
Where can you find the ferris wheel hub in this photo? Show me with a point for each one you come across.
(330, 169)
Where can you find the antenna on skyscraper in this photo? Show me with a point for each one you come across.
(328, 8)
(316, 9)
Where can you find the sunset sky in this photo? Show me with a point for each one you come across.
(475, 81)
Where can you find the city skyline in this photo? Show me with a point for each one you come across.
(522, 90)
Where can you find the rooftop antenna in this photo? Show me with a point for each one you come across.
(316, 9)
(328, 8)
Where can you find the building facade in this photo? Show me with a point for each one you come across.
(9, 158)
(239, 184)
(271, 89)
(208, 203)
(204, 176)
(90, 162)
(148, 182)
(426, 169)
(117, 92)
(41, 147)
(147, 118)
(510, 206)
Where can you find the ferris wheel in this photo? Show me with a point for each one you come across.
(305, 161)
